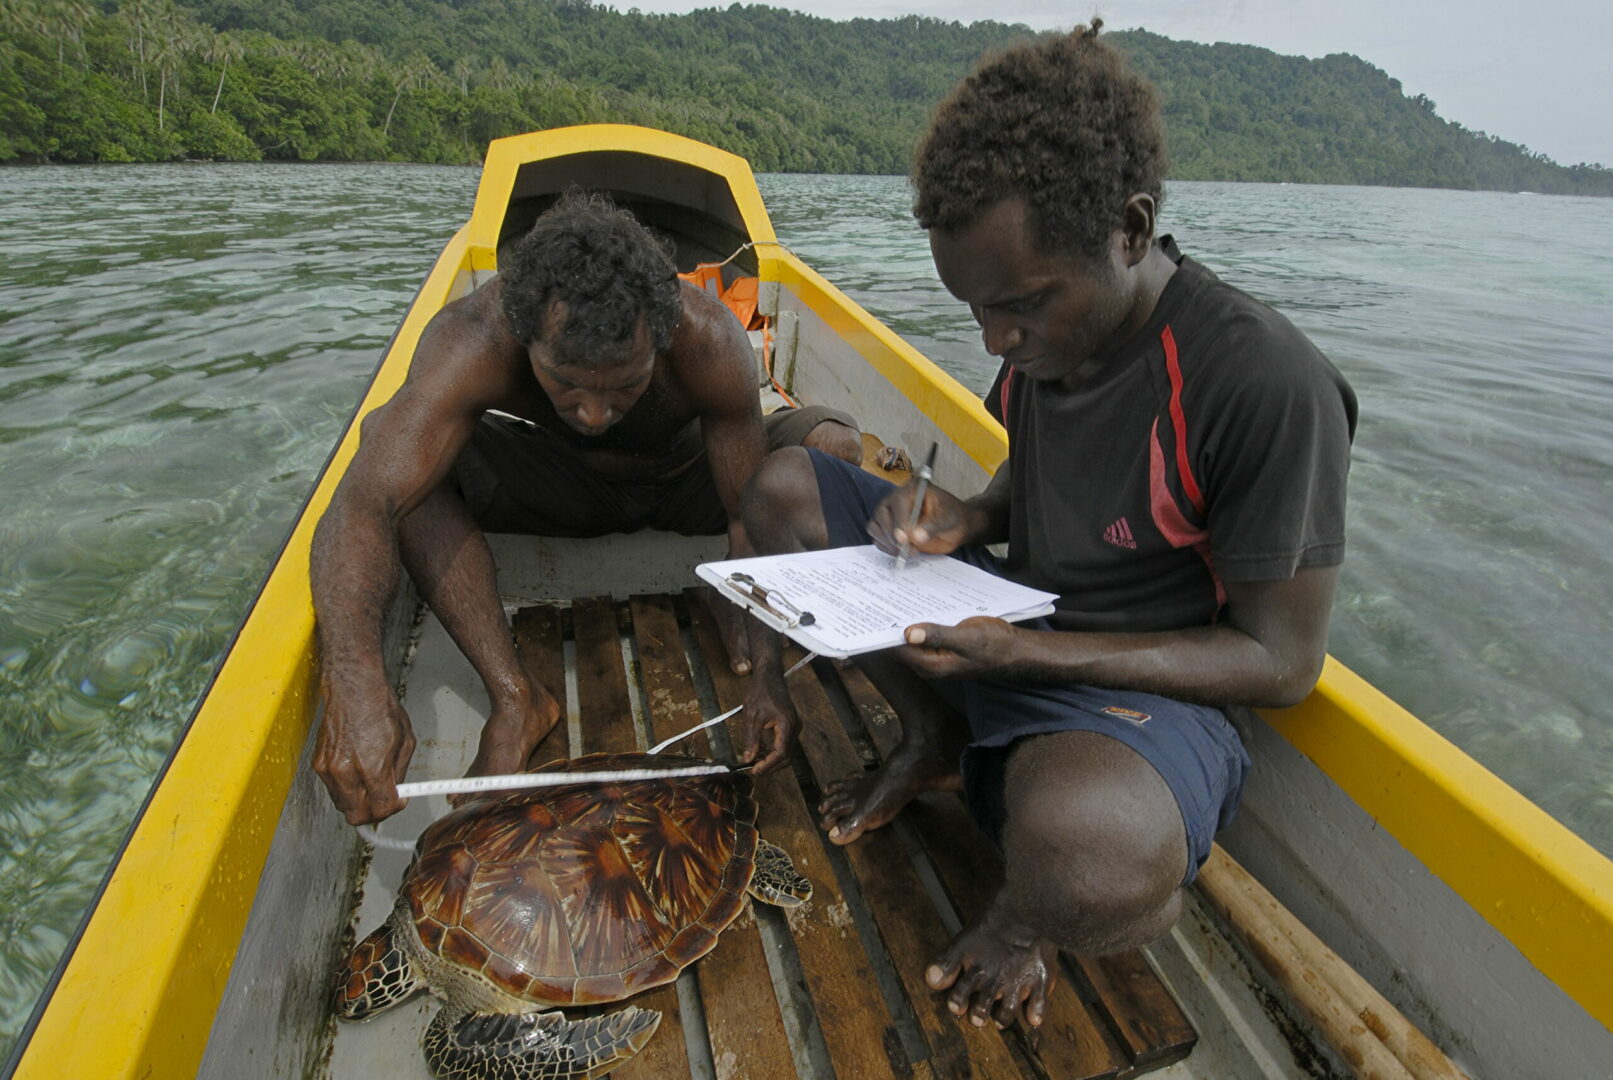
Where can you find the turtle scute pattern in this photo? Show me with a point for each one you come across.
(580, 895)
(572, 895)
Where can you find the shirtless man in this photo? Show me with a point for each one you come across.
(632, 403)
(1176, 473)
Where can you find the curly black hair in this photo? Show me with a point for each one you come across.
(604, 265)
(1062, 121)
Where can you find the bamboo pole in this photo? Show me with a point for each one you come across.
(1369, 1033)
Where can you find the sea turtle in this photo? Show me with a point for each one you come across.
(574, 895)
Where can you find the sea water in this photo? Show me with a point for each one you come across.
(180, 345)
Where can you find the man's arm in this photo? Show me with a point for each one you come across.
(945, 524)
(717, 369)
(1268, 651)
(406, 449)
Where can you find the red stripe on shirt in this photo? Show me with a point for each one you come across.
(1002, 396)
(1179, 421)
(1168, 517)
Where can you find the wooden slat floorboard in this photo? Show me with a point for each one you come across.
(744, 1022)
(606, 713)
(851, 1012)
(1071, 1041)
(1113, 1019)
(1130, 1003)
(1142, 1014)
(539, 648)
(911, 928)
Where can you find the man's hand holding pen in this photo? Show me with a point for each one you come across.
(922, 517)
(944, 523)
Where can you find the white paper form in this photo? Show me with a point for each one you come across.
(859, 601)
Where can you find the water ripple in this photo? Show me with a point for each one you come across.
(175, 361)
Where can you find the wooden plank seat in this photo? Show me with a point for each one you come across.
(835, 987)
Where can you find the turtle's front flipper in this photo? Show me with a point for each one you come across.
(463, 1045)
(776, 880)
(376, 976)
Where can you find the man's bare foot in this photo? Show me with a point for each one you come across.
(731, 627)
(863, 801)
(997, 970)
(510, 735)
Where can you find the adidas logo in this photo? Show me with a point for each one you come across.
(1119, 534)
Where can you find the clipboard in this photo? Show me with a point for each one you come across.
(845, 601)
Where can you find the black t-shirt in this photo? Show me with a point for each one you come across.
(1212, 447)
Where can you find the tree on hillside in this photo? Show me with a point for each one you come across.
(415, 71)
(311, 78)
(220, 49)
(174, 37)
(62, 21)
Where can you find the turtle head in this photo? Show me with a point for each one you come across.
(376, 976)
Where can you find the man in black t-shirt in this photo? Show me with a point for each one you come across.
(1176, 473)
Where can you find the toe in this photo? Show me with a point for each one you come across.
(945, 969)
(846, 829)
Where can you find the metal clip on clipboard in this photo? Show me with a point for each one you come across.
(770, 599)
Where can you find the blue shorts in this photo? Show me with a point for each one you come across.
(1194, 748)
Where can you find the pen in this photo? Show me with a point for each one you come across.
(925, 472)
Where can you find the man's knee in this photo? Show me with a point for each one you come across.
(783, 495)
(778, 480)
(837, 440)
(1095, 864)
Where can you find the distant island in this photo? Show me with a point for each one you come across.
(432, 81)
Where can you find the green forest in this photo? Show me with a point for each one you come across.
(435, 80)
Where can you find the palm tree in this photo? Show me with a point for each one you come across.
(221, 49)
(314, 56)
(499, 76)
(354, 60)
(21, 17)
(76, 16)
(175, 38)
(416, 70)
(137, 16)
(462, 72)
(59, 20)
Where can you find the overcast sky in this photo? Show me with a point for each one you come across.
(1533, 73)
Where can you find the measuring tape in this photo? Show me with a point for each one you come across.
(467, 784)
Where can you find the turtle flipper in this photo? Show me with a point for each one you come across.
(376, 976)
(464, 1045)
(776, 880)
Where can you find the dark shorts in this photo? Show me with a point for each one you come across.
(517, 477)
(1194, 748)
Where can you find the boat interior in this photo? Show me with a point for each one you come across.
(834, 988)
